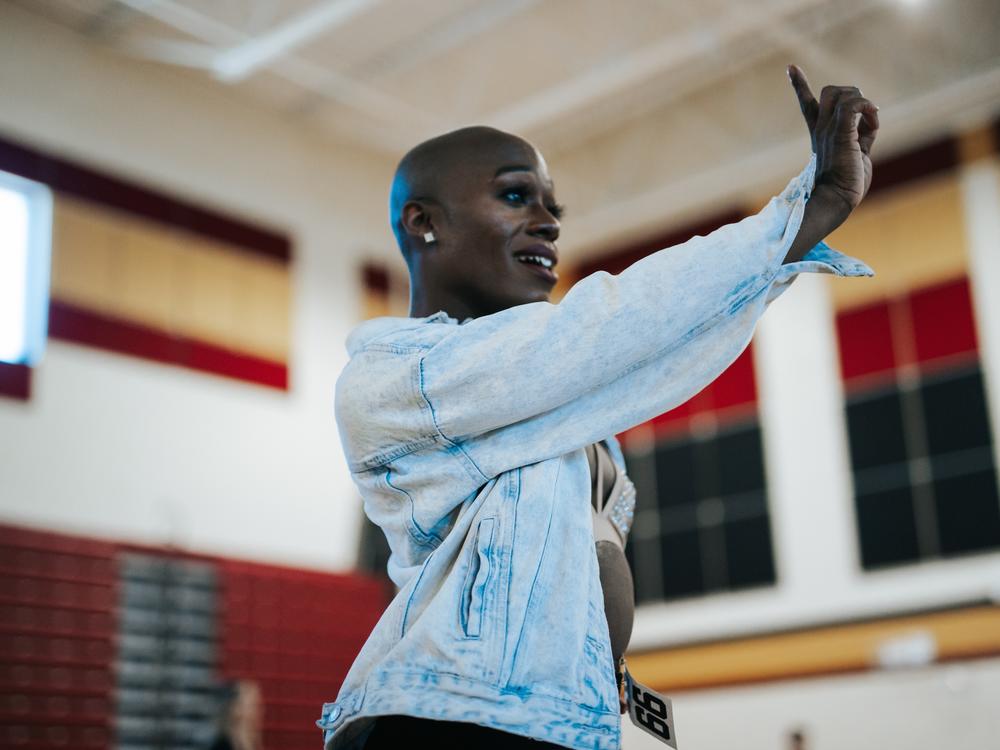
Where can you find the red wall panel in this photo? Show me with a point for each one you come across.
(943, 320)
(294, 632)
(56, 640)
(865, 338)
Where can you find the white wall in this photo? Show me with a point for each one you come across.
(945, 707)
(115, 446)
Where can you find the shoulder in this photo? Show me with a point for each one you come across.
(378, 400)
(388, 333)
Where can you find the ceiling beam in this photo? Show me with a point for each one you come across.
(442, 37)
(811, 51)
(315, 78)
(237, 63)
(687, 81)
(182, 18)
(535, 111)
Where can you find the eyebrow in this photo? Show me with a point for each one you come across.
(512, 168)
(520, 168)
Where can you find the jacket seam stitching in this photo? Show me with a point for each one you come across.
(409, 601)
(423, 538)
(434, 420)
(389, 348)
(380, 459)
(528, 602)
(501, 691)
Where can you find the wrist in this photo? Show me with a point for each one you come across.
(828, 207)
(825, 210)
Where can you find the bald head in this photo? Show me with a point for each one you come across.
(488, 200)
(427, 173)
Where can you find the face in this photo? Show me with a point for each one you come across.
(497, 229)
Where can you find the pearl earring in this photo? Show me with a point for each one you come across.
(429, 237)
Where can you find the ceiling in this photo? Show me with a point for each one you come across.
(648, 110)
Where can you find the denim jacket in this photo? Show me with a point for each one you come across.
(466, 441)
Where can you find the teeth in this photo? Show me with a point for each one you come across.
(537, 260)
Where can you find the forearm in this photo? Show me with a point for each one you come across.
(824, 212)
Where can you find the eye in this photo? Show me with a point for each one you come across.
(517, 196)
(521, 195)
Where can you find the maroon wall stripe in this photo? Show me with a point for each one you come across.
(15, 381)
(71, 323)
(375, 278)
(71, 178)
(924, 161)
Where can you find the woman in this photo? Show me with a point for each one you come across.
(239, 717)
(475, 429)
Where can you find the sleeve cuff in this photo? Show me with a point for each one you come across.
(824, 259)
(820, 259)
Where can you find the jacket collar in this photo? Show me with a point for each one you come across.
(372, 329)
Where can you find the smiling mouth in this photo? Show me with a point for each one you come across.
(540, 265)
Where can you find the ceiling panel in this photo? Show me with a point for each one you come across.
(630, 100)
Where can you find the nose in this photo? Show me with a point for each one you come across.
(544, 225)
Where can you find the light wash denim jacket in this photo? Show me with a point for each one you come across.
(466, 442)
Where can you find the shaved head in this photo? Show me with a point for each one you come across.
(475, 216)
(426, 173)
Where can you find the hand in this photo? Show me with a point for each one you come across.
(843, 126)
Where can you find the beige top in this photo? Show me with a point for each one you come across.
(612, 496)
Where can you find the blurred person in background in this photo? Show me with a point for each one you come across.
(479, 430)
(239, 717)
(797, 740)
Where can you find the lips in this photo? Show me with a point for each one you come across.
(546, 273)
(540, 259)
(546, 251)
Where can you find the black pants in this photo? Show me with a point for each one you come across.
(394, 732)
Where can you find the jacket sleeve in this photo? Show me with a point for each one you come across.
(541, 379)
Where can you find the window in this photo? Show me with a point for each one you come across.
(925, 483)
(701, 523)
(25, 233)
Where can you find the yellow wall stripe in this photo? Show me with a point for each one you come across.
(178, 282)
(912, 236)
(965, 633)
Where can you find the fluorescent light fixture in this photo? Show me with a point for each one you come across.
(25, 250)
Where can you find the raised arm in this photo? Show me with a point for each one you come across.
(537, 380)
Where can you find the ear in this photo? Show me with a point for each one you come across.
(417, 220)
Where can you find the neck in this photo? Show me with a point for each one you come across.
(428, 296)
(424, 302)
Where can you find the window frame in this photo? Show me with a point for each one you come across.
(38, 198)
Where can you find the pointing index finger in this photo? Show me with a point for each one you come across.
(802, 90)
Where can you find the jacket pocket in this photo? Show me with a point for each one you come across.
(477, 579)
